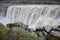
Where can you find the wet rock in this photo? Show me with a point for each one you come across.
(19, 24)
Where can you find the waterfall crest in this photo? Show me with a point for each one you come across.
(34, 15)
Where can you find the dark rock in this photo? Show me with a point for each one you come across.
(10, 25)
(39, 30)
(19, 24)
(58, 26)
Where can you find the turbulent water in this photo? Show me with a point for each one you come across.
(35, 15)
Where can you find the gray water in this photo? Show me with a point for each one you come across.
(35, 15)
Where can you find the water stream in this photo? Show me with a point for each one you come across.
(35, 15)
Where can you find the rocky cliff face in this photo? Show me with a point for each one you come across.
(31, 1)
(27, 0)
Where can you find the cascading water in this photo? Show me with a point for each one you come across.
(34, 15)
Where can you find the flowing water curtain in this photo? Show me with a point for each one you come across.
(47, 19)
(29, 11)
(16, 14)
(40, 13)
(56, 22)
(20, 14)
(54, 12)
(36, 16)
(24, 14)
(9, 13)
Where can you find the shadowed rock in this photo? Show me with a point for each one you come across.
(25, 27)
(19, 24)
(39, 32)
(47, 31)
(58, 26)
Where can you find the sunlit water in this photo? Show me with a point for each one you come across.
(35, 15)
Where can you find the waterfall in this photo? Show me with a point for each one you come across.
(35, 15)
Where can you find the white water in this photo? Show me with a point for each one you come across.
(35, 15)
